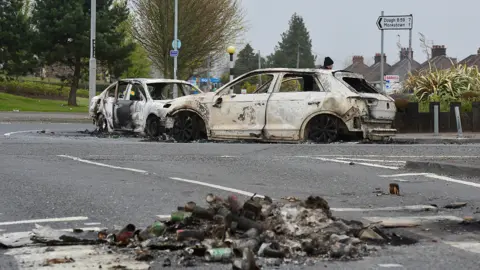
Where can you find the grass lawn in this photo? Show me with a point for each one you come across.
(10, 102)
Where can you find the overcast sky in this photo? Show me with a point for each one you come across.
(340, 29)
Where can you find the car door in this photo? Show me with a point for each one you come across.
(295, 97)
(138, 96)
(241, 116)
(121, 107)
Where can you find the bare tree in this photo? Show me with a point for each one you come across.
(205, 27)
(425, 46)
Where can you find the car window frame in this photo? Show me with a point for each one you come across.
(296, 74)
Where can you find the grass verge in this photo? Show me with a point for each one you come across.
(9, 102)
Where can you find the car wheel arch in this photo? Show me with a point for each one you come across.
(313, 115)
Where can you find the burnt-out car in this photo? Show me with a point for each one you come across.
(285, 105)
(136, 105)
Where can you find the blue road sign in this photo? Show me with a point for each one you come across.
(173, 53)
(179, 44)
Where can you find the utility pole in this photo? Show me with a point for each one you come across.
(298, 55)
(92, 75)
(175, 34)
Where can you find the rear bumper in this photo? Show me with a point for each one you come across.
(377, 130)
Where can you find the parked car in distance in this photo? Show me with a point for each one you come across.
(136, 104)
(285, 105)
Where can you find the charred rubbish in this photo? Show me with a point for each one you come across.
(258, 231)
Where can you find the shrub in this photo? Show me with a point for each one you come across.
(445, 85)
(38, 89)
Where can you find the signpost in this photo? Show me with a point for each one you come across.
(179, 44)
(395, 22)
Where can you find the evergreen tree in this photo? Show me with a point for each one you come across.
(15, 38)
(247, 61)
(63, 36)
(296, 38)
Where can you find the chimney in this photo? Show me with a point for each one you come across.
(404, 54)
(439, 50)
(357, 59)
(378, 58)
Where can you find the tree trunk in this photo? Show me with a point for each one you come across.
(72, 97)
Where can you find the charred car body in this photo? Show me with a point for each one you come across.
(136, 105)
(285, 105)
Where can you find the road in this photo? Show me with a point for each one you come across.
(68, 179)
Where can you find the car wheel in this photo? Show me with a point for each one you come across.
(102, 123)
(183, 128)
(153, 127)
(323, 129)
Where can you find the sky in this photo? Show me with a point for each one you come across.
(341, 29)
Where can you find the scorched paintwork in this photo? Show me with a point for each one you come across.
(122, 113)
(276, 113)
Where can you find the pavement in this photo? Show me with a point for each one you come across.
(68, 179)
(441, 138)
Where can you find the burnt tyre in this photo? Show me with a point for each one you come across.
(188, 127)
(324, 129)
(102, 123)
(153, 127)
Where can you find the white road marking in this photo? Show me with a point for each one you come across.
(473, 247)
(104, 165)
(92, 223)
(2, 230)
(435, 176)
(410, 220)
(19, 132)
(64, 219)
(249, 194)
(393, 208)
(403, 174)
(172, 178)
(93, 229)
(384, 156)
(374, 160)
(164, 217)
(358, 163)
(390, 265)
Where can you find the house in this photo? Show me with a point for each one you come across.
(401, 67)
(438, 60)
(358, 65)
(472, 60)
(373, 73)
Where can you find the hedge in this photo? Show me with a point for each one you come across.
(38, 89)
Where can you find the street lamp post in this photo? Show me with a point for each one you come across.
(175, 38)
(231, 52)
(92, 76)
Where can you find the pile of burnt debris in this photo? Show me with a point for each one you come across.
(248, 235)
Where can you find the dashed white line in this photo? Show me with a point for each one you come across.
(215, 186)
(92, 223)
(94, 229)
(374, 160)
(390, 265)
(392, 208)
(172, 178)
(411, 220)
(18, 132)
(403, 174)
(104, 165)
(467, 246)
(358, 163)
(63, 219)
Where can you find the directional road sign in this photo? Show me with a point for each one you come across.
(401, 22)
(173, 53)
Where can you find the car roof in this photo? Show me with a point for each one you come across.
(299, 70)
(148, 80)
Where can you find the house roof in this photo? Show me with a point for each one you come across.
(373, 73)
(472, 60)
(438, 62)
(401, 68)
(357, 67)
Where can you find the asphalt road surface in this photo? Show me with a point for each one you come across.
(68, 179)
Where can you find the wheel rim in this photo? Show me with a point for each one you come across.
(183, 129)
(324, 129)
